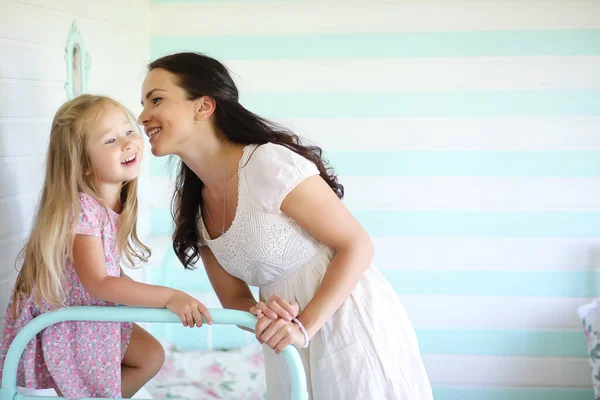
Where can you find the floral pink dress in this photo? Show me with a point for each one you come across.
(81, 359)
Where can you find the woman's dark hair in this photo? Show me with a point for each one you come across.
(199, 75)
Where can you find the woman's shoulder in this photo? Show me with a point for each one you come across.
(269, 151)
(271, 157)
(272, 171)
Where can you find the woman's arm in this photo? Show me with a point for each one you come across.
(316, 208)
(233, 293)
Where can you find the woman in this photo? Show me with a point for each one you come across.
(262, 209)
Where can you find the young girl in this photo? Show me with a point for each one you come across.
(85, 224)
(263, 209)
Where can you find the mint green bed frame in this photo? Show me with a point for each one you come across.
(130, 314)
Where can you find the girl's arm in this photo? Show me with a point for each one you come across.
(88, 259)
(89, 263)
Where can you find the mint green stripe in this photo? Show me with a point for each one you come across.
(441, 393)
(514, 103)
(173, 274)
(519, 283)
(183, 337)
(490, 342)
(458, 342)
(227, 337)
(164, 166)
(516, 224)
(482, 342)
(441, 342)
(160, 166)
(466, 163)
(530, 103)
(481, 223)
(161, 222)
(559, 42)
(558, 164)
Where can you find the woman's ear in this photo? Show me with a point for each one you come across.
(205, 107)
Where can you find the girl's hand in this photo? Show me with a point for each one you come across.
(189, 310)
(278, 333)
(276, 307)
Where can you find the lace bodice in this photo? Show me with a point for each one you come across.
(263, 245)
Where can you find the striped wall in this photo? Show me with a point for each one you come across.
(32, 78)
(467, 135)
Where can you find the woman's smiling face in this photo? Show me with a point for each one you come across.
(169, 117)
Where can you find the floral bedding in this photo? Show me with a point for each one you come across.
(208, 375)
(590, 318)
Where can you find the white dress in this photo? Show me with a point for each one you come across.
(368, 348)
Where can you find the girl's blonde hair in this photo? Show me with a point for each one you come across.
(55, 223)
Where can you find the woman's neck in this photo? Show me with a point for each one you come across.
(213, 161)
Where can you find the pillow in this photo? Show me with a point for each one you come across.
(219, 374)
(590, 317)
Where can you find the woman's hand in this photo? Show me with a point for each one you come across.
(279, 333)
(189, 310)
(276, 307)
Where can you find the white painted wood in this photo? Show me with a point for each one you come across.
(473, 133)
(417, 74)
(487, 312)
(507, 371)
(326, 17)
(449, 193)
(480, 254)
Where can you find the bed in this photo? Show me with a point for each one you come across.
(186, 374)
